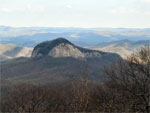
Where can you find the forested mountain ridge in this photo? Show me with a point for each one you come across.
(51, 63)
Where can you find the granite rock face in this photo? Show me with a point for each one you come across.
(66, 50)
(63, 48)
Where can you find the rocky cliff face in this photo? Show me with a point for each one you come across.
(63, 48)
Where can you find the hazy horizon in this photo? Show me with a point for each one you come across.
(75, 27)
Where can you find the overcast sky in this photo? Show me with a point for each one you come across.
(76, 13)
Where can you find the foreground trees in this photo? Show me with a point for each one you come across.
(68, 96)
(126, 89)
(132, 78)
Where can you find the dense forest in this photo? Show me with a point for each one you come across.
(126, 88)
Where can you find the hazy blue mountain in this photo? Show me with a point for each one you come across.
(30, 36)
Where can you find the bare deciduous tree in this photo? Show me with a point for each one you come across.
(133, 78)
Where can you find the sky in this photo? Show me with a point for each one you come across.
(75, 13)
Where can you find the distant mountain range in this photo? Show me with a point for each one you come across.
(9, 51)
(123, 41)
(83, 53)
(31, 36)
(124, 47)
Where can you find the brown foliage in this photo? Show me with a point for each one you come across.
(132, 77)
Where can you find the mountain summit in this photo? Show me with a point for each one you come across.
(57, 60)
(63, 48)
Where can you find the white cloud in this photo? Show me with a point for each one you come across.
(147, 13)
(35, 9)
(129, 11)
(145, 1)
(29, 8)
(122, 10)
(5, 10)
(69, 6)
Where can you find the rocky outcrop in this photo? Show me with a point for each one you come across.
(66, 50)
(63, 48)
